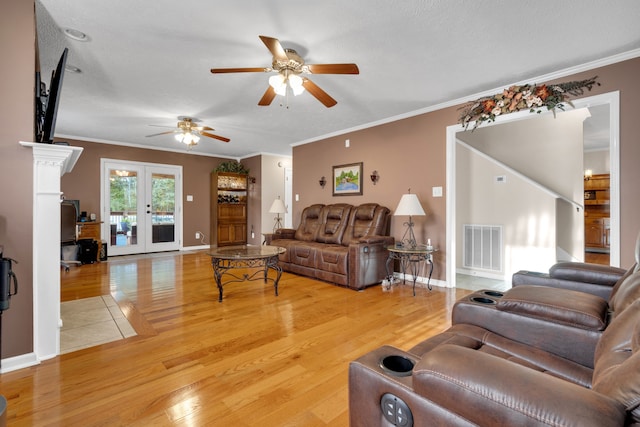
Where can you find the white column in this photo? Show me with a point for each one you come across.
(50, 162)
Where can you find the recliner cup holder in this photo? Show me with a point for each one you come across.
(483, 300)
(495, 294)
(399, 366)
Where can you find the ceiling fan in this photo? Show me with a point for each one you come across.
(189, 134)
(289, 66)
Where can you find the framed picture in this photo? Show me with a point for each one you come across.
(347, 180)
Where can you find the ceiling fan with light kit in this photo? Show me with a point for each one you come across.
(189, 134)
(290, 67)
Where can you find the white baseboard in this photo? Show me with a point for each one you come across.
(18, 362)
(484, 274)
(421, 282)
(195, 248)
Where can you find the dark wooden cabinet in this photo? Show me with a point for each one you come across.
(228, 208)
(90, 230)
(596, 221)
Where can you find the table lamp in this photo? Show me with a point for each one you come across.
(278, 207)
(409, 206)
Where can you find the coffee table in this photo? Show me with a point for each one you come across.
(225, 259)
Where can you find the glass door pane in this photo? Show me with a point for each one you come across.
(163, 203)
(162, 209)
(143, 204)
(124, 220)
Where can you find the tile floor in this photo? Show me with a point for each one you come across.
(475, 283)
(92, 321)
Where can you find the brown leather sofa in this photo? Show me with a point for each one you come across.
(533, 355)
(338, 243)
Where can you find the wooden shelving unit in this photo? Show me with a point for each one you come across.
(597, 212)
(228, 208)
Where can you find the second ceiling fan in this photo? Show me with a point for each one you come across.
(289, 66)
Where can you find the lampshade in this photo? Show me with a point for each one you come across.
(409, 205)
(278, 207)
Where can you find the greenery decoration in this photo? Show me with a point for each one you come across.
(516, 98)
(232, 166)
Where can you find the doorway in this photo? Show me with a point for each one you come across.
(612, 100)
(143, 202)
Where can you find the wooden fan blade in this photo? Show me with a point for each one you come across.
(210, 135)
(268, 96)
(333, 68)
(239, 70)
(199, 128)
(320, 94)
(275, 48)
(162, 133)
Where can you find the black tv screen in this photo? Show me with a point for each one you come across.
(47, 103)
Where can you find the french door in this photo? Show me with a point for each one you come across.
(141, 206)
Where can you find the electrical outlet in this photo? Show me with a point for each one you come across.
(197, 234)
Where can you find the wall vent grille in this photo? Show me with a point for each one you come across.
(482, 247)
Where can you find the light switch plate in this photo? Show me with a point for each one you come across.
(436, 191)
(189, 198)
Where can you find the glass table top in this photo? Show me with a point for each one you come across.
(245, 251)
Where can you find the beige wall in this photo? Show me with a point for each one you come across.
(17, 48)
(411, 153)
(406, 153)
(83, 183)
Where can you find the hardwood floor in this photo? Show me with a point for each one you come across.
(254, 359)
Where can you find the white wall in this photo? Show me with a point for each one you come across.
(273, 186)
(536, 228)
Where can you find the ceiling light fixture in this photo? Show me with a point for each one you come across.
(76, 34)
(280, 81)
(187, 138)
(72, 69)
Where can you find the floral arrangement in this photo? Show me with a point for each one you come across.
(516, 98)
(232, 166)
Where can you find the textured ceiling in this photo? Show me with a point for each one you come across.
(148, 62)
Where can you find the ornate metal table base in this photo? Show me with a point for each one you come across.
(410, 257)
(225, 260)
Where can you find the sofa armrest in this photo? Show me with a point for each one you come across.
(367, 261)
(489, 390)
(370, 240)
(588, 273)
(572, 308)
(284, 233)
(524, 277)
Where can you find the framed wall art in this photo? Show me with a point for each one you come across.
(347, 180)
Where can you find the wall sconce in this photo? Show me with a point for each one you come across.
(322, 182)
(588, 174)
(375, 177)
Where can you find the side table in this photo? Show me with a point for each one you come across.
(410, 257)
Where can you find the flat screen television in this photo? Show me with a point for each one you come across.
(47, 102)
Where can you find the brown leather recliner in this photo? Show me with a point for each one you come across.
(579, 276)
(515, 371)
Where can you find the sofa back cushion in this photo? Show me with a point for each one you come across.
(617, 361)
(309, 223)
(333, 219)
(368, 219)
(624, 293)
